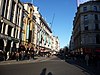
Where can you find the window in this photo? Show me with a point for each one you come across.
(14, 32)
(95, 8)
(96, 17)
(0, 27)
(86, 27)
(7, 8)
(30, 10)
(96, 27)
(99, 8)
(3, 9)
(84, 9)
(4, 27)
(9, 30)
(85, 17)
(12, 11)
(18, 15)
(97, 39)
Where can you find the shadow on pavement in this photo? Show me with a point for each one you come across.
(91, 69)
(44, 72)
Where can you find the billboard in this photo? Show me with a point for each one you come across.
(83, 1)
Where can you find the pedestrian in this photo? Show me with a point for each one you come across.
(22, 55)
(87, 59)
(32, 52)
(28, 55)
(8, 55)
(95, 60)
(17, 56)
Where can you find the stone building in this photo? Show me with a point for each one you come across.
(10, 24)
(28, 25)
(86, 28)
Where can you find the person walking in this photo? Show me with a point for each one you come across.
(8, 55)
(87, 59)
(32, 52)
(95, 60)
(17, 56)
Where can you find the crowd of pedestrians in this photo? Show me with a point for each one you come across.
(22, 54)
(87, 59)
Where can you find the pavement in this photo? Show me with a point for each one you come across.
(94, 70)
(36, 59)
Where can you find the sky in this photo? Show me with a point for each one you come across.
(61, 14)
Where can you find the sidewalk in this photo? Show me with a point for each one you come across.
(37, 59)
(93, 70)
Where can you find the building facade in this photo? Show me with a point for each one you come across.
(22, 28)
(86, 28)
(55, 44)
(44, 35)
(83, 1)
(10, 24)
(28, 26)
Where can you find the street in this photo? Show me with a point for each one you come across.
(54, 66)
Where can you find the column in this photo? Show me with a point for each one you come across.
(6, 30)
(11, 46)
(5, 43)
(1, 6)
(17, 46)
(18, 36)
(12, 32)
(20, 17)
(9, 9)
(14, 19)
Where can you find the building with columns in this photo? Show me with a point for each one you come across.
(44, 35)
(10, 24)
(21, 24)
(28, 25)
(41, 37)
